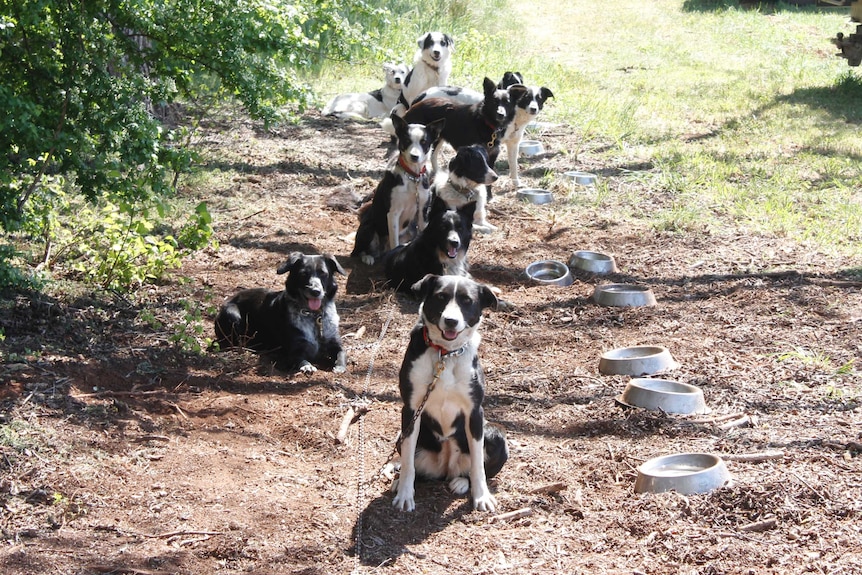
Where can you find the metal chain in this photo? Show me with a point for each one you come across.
(361, 483)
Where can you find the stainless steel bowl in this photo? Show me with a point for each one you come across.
(663, 395)
(623, 295)
(595, 262)
(535, 196)
(581, 178)
(685, 473)
(531, 147)
(636, 361)
(550, 272)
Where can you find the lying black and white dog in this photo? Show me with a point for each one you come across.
(298, 324)
(441, 377)
(401, 199)
(432, 65)
(370, 105)
(527, 106)
(466, 182)
(441, 248)
(466, 124)
(462, 95)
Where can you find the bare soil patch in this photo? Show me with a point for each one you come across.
(126, 455)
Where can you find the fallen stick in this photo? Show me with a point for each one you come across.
(760, 525)
(741, 422)
(552, 488)
(345, 425)
(717, 418)
(753, 457)
(517, 514)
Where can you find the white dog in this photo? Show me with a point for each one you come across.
(431, 67)
(374, 104)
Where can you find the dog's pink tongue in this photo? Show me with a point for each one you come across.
(450, 334)
(314, 303)
(452, 252)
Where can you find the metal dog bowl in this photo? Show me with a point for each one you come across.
(663, 395)
(535, 196)
(595, 262)
(550, 272)
(581, 178)
(636, 361)
(531, 147)
(623, 295)
(685, 473)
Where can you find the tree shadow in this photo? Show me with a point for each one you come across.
(764, 6)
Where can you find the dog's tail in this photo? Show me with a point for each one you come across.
(496, 450)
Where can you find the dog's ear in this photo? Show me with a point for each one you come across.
(435, 128)
(398, 123)
(388, 67)
(333, 265)
(487, 298)
(489, 86)
(451, 43)
(291, 261)
(424, 286)
(467, 211)
(421, 39)
(517, 91)
(438, 206)
(546, 93)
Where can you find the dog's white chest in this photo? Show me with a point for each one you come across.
(450, 396)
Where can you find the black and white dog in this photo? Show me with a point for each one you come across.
(298, 324)
(432, 65)
(450, 439)
(370, 105)
(402, 196)
(441, 248)
(463, 95)
(466, 182)
(466, 124)
(527, 107)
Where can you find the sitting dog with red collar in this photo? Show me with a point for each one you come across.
(396, 211)
(443, 430)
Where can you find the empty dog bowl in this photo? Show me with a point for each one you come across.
(581, 178)
(550, 272)
(595, 262)
(623, 295)
(531, 147)
(685, 473)
(636, 361)
(535, 196)
(663, 394)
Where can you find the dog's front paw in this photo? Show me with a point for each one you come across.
(306, 368)
(367, 259)
(339, 369)
(485, 502)
(485, 228)
(459, 485)
(404, 499)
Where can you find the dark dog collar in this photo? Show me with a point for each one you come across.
(469, 193)
(444, 353)
(318, 318)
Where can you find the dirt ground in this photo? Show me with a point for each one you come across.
(123, 454)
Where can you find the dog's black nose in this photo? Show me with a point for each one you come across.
(450, 322)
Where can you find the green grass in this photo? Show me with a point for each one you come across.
(747, 119)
